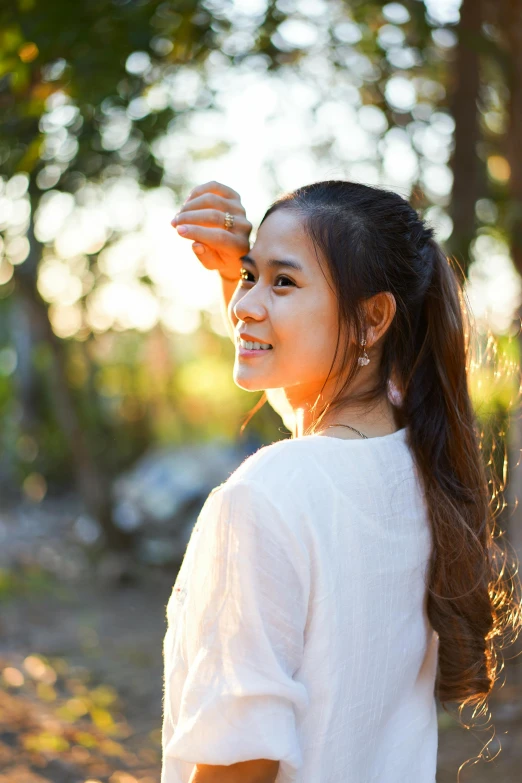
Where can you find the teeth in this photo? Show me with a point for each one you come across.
(257, 346)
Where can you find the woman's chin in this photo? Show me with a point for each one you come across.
(249, 385)
(250, 380)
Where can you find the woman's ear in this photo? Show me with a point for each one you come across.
(380, 312)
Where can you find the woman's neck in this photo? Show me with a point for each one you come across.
(374, 421)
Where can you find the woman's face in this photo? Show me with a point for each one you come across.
(295, 310)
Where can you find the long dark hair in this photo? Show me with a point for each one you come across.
(373, 241)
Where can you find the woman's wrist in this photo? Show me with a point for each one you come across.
(229, 279)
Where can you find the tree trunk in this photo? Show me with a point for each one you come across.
(465, 163)
(92, 484)
(511, 20)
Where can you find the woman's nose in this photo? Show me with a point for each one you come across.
(249, 304)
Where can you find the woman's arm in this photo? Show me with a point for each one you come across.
(257, 771)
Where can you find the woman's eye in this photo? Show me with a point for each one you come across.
(282, 277)
(245, 272)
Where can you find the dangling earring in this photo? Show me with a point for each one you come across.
(364, 359)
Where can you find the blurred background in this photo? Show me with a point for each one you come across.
(117, 404)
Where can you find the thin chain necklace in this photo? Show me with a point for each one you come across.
(350, 428)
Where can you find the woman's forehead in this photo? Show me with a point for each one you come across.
(282, 235)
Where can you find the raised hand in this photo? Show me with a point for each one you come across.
(202, 219)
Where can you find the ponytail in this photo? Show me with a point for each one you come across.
(469, 601)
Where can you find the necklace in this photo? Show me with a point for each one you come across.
(350, 428)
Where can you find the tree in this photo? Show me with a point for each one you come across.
(73, 60)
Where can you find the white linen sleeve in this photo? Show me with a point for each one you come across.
(242, 626)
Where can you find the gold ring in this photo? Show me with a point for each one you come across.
(229, 221)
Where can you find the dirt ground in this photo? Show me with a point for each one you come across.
(115, 632)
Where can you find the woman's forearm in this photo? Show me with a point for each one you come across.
(257, 771)
(228, 287)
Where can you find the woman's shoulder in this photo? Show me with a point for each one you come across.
(268, 491)
(272, 470)
(267, 462)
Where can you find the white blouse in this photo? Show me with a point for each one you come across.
(297, 625)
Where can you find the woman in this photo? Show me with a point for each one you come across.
(338, 580)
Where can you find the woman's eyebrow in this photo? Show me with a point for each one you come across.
(275, 263)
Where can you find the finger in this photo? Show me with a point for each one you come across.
(213, 201)
(210, 236)
(214, 187)
(208, 257)
(209, 217)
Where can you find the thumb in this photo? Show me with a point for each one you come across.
(207, 256)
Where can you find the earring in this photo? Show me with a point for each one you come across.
(364, 359)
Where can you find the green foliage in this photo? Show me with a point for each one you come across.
(56, 54)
